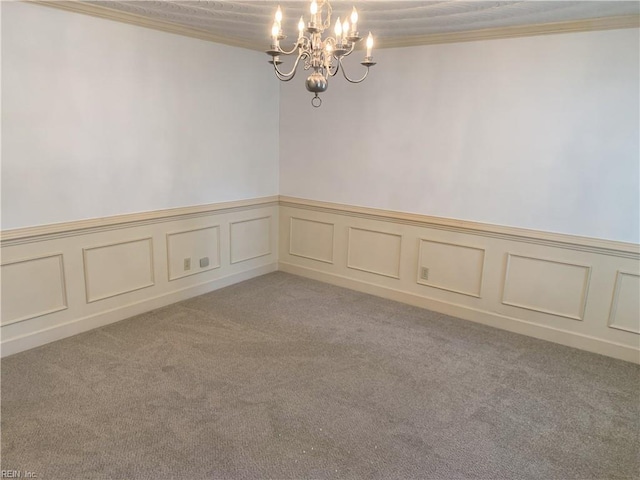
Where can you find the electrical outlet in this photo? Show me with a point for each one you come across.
(204, 262)
(187, 264)
(424, 273)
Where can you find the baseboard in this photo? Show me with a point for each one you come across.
(551, 334)
(80, 325)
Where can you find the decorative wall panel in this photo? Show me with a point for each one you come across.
(546, 286)
(452, 267)
(118, 268)
(374, 252)
(194, 246)
(32, 287)
(311, 239)
(250, 239)
(625, 307)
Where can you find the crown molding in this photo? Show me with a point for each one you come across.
(141, 21)
(592, 24)
(574, 26)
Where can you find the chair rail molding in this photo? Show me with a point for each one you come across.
(470, 266)
(559, 240)
(93, 225)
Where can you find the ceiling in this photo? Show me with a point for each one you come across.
(394, 23)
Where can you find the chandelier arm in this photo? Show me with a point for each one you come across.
(353, 46)
(336, 68)
(295, 47)
(285, 77)
(344, 73)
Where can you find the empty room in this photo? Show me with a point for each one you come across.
(320, 240)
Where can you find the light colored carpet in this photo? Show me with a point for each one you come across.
(285, 377)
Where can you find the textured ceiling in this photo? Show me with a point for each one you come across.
(248, 23)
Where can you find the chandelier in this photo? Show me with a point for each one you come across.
(324, 57)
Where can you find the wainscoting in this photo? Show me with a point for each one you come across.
(60, 280)
(575, 291)
(63, 279)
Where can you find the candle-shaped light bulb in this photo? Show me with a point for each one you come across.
(329, 48)
(338, 30)
(345, 29)
(300, 27)
(279, 16)
(369, 44)
(354, 19)
(314, 11)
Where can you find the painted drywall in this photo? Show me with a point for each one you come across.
(538, 132)
(102, 118)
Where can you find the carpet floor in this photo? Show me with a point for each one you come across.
(283, 377)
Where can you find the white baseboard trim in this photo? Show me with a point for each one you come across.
(81, 325)
(503, 322)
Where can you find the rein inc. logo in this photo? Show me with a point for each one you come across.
(17, 474)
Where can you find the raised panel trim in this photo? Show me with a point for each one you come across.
(231, 261)
(212, 267)
(291, 252)
(397, 276)
(585, 287)
(428, 284)
(86, 271)
(63, 285)
(614, 302)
